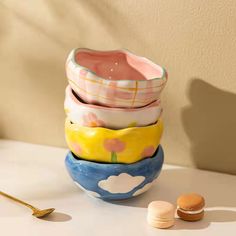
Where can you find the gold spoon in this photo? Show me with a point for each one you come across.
(36, 212)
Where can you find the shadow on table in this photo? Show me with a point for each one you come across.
(211, 216)
(57, 217)
(217, 190)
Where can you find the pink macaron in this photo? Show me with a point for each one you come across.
(161, 214)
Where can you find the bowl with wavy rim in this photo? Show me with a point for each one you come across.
(100, 144)
(115, 181)
(116, 78)
(90, 115)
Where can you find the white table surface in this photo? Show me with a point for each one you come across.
(37, 174)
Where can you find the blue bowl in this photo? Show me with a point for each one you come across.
(115, 181)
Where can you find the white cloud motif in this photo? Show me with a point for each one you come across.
(122, 183)
(90, 193)
(143, 189)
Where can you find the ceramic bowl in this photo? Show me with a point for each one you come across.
(114, 78)
(90, 115)
(115, 181)
(118, 146)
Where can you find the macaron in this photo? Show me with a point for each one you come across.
(190, 207)
(161, 214)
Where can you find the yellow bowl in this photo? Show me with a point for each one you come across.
(127, 145)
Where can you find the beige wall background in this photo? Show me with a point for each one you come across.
(194, 39)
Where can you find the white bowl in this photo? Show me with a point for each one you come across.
(114, 78)
(90, 115)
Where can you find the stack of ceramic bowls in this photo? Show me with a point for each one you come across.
(113, 126)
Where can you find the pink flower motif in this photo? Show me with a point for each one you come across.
(91, 120)
(83, 72)
(76, 148)
(114, 145)
(148, 151)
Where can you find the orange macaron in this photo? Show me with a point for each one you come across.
(190, 207)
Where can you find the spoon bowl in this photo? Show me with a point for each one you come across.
(42, 213)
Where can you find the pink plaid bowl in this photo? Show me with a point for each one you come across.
(114, 78)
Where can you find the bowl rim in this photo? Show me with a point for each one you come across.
(74, 51)
(159, 152)
(73, 96)
(119, 132)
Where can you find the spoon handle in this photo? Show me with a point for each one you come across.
(18, 200)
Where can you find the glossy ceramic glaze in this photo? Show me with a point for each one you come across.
(118, 146)
(114, 78)
(115, 181)
(89, 115)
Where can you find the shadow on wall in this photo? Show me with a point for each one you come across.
(1, 131)
(210, 123)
